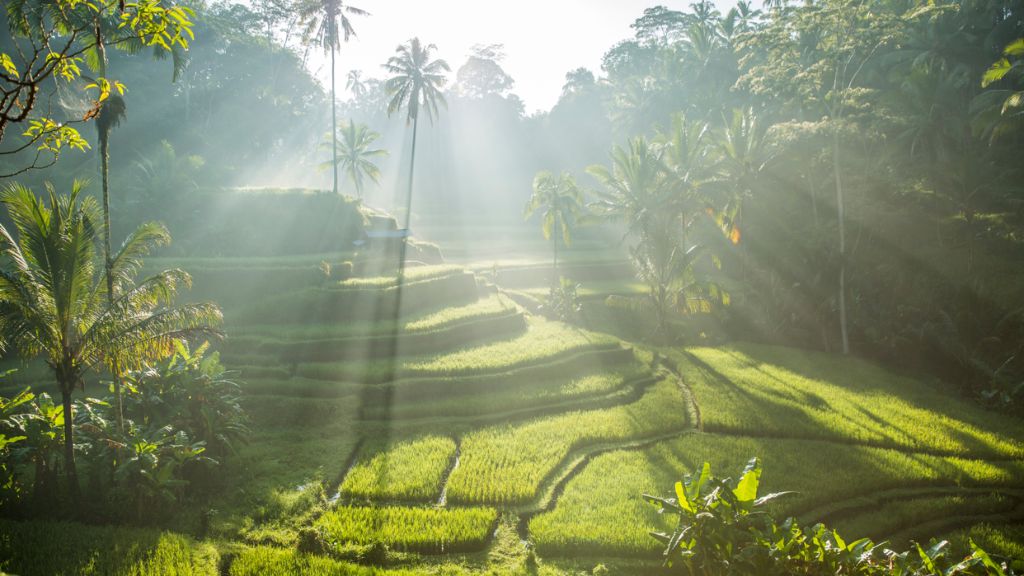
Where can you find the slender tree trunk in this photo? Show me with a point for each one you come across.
(105, 176)
(408, 199)
(842, 243)
(334, 125)
(935, 204)
(69, 449)
(814, 199)
(412, 164)
(554, 265)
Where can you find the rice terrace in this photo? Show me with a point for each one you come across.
(741, 294)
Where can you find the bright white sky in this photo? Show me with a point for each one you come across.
(543, 39)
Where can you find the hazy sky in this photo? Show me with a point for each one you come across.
(543, 39)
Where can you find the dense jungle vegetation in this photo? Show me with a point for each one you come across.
(745, 300)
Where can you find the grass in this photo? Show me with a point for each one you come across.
(901, 516)
(772, 391)
(437, 318)
(544, 341)
(40, 548)
(526, 393)
(601, 512)
(411, 275)
(596, 289)
(403, 470)
(506, 464)
(1001, 540)
(423, 530)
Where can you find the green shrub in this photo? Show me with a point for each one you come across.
(718, 532)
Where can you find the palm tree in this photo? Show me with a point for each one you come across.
(51, 303)
(563, 200)
(355, 141)
(355, 84)
(415, 82)
(1001, 112)
(745, 153)
(636, 191)
(327, 25)
(111, 111)
(691, 171)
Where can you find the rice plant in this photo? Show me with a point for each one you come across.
(404, 470)
(781, 392)
(267, 561)
(423, 530)
(506, 464)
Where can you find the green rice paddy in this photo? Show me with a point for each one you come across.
(563, 428)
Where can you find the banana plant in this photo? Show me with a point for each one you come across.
(715, 517)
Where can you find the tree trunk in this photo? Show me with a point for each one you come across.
(935, 204)
(814, 200)
(69, 449)
(408, 199)
(554, 265)
(412, 164)
(842, 244)
(104, 175)
(334, 126)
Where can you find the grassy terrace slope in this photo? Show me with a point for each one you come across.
(364, 421)
(601, 508)
(769, 391)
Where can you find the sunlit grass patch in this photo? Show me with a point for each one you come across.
(601, 511)
(1006, 540)
(424, 530)
(595, 289)
(409, 470)
(42, 548)
(506, 464)
(545, 341)
(439, 317)
(783, 392)
(411, 275)
(902, 516)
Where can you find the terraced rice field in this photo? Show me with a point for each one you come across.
(425, 530)
(567, 427)
(409, 470)
(560, 429)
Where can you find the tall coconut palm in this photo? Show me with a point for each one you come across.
(52, 301)
(562, 199)
(355, 144)
(112, 110)
(326, 25)
(416, 81)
